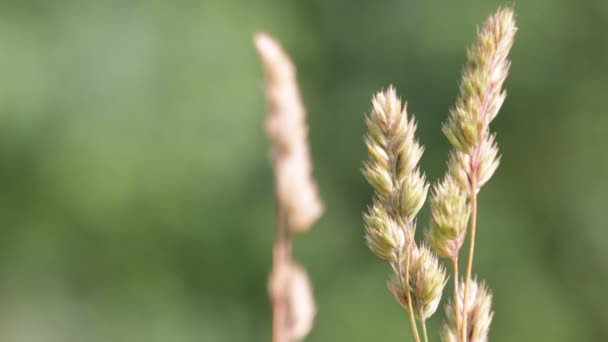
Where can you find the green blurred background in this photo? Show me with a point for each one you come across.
(136, 193)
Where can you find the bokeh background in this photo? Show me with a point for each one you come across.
(136, 193)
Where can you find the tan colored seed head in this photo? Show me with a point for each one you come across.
(286, 128)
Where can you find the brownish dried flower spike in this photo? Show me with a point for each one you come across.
(291, 280)
(479, 314)
(286, 127)
(302, 308)
(298, 202)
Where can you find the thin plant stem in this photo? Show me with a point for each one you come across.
(426, 337)
(455, 266)
(281, 260)
(409, 297)
(470, 259)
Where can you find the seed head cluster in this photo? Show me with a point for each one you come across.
(471, 164)
(394, 153)
(481, 96)
(479, 314)
(287, 130)
(450, 213)
(401, 188)
(426, 282)
(400, 192)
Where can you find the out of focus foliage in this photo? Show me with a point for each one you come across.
(136, 195)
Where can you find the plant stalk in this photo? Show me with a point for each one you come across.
(426, 337)
(281, 261)
(470, 260)
(455, 266)
(409, 296)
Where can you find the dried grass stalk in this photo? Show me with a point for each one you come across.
(298, 201)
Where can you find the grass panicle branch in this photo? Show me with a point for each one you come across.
(400, 192)
(298, 201)
(475, 157)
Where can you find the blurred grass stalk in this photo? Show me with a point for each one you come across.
(298, 202)
(400, 189)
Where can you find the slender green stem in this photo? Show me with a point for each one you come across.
(470, 260)
(406, 286)
(426, 337)
(455, 265)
